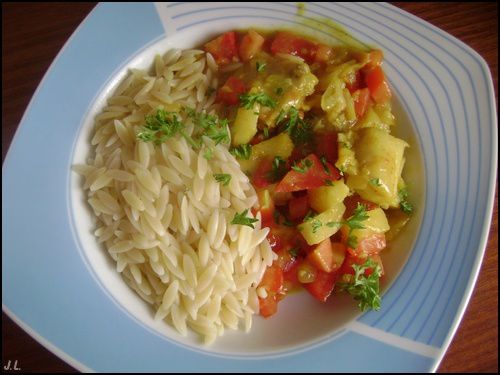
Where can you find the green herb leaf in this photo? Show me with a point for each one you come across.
(224, 178)
(211, 126)
(294, 252)
(208, 153)
(404, 205)
(303, 166)
(325, 166)
(316, 224)
(260, 67)
(328, 182)
(242, 219)
(375, 182)
(364, 289)
(310, 214)
(242, 151)
(265, 132)
(279, 91)
(355, 222)
(278, 169)
(300, 132)
(249, 100)
(160, 127)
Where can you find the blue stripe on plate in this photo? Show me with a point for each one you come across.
(437, 299)
(411, 319)
(156, 351)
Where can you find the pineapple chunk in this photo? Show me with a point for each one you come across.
(245, 125)
(323, 225)
(280, 145)
(326, 197)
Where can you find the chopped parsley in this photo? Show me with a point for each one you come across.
(208, 153)
(375, 182)
(278, 169)
(328, 182)
(265, 132)
(404, 205)
(248, 100)
(303, 166)
(316, 224)
(242, 151)
(213, 128)
(260, 67)
(242, 219)
(300, 132)
(164, 125)
(355, 222)
(224, 178)
(325, 166)
(309, 215)
(364, 289)
(294, 252)
(279, 91)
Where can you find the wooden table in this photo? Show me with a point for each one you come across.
(33, 34)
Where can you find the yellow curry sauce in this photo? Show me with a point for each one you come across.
(311, 126)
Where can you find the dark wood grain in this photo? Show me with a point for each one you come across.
(33, 34)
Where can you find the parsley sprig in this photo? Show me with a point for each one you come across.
(300, 132)
(278, 169)
(213, 128)
(303, 166)
(260, 67)
(404, 205)
(242, 219)
(248, 100)
(242, 151)
(364, 289)
(354, 222)
(164, 125)
(223, 178)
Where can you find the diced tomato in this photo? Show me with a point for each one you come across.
(272, 280)
(230, 93)
(285, 42)
(375, 58)
(369, 245)
(323, 53)
(280, 236)
(315, 174)
(351, 259)
(361, 100)
(223, 48)
(290, 280)
(250, 44)
(266, 207)
(260, 176)
(268, 306)
(298, 207)
(287, 257)
(377, 84)
(322, 256)
(322, 286)
(357, 83)
(326, 145)
(351, 202)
